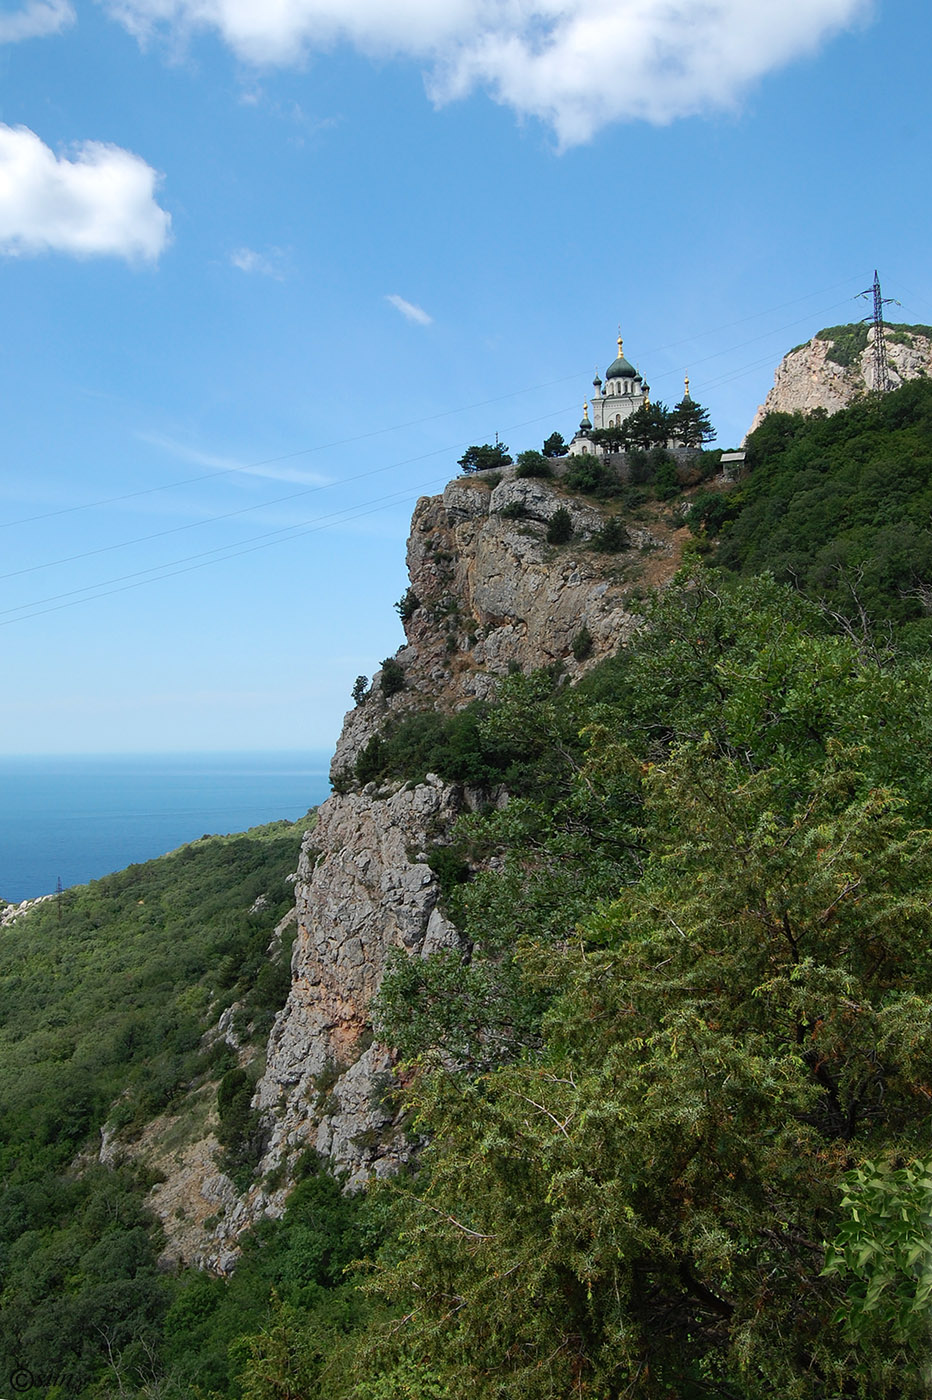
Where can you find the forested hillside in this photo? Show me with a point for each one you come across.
(671, 1095)
(840, 507)
(107, 1000)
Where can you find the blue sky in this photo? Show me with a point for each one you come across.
(268, 266)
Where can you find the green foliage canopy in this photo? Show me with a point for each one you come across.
(840, 506)
(656, 1169)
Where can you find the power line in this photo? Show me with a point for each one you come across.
(248, 467)
(219, 554)
(264, 505)
(285, 457)
(360, 476)
(168, 571)
(673, 345)
(778, 330)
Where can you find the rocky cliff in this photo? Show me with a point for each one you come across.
(487, 594)
(837, 366)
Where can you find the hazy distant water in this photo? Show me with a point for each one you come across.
(84, 816)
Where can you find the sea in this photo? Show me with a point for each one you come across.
(76, 818)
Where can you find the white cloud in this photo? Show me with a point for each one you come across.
(271, 471)
(100, 203)
(266, 265)
(409, 310)
(576, 64)
(35, 20)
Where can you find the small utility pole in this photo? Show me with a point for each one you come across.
(882, 383)
(58, 897)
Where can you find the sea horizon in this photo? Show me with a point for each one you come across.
(79, 816)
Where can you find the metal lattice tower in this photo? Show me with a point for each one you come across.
(882, 383)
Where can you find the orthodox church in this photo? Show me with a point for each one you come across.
(622, 393)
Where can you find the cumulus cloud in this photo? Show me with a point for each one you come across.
(35, 20)
(99, 203)
(576, 64)
(409, 310)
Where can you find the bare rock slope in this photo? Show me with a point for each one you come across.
(487, 594)
(836, 367)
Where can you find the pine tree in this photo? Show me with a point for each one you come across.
(690, 423)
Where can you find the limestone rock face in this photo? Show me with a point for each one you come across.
(9, 913)
(495, 595)
(364, 887)
(492, 595)
(488, 593)
(809, 378)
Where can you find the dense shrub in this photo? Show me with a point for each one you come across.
(841, 506)
(591, 476)
(848, 343)
(391, 677)
(666, 481)
(712, 510)
(612, 537)
(532, 464)
(560, 526)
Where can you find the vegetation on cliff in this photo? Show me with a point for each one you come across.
(688, 1035)
(683, 1034)
(840, 507)
(674, 1085)
(847, 343)
(107, 998)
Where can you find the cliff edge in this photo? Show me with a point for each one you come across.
(488, 594)
(836, 367)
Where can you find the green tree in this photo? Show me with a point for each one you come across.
(613, 439)
(485, 457)
(407, 605)
(360, 686)
(391, 677)
(698, 991)
(612, 537)
(649, 426)
(657, 1183)
(583, 643)
(533, 463)
(555, 445)
(690, 424)
(560, 526)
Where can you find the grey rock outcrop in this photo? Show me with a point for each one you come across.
(492, 595)
(488, 594)
(808, 378)
(9, 913)
(363, 888)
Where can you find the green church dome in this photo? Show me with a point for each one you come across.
(621, 368)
